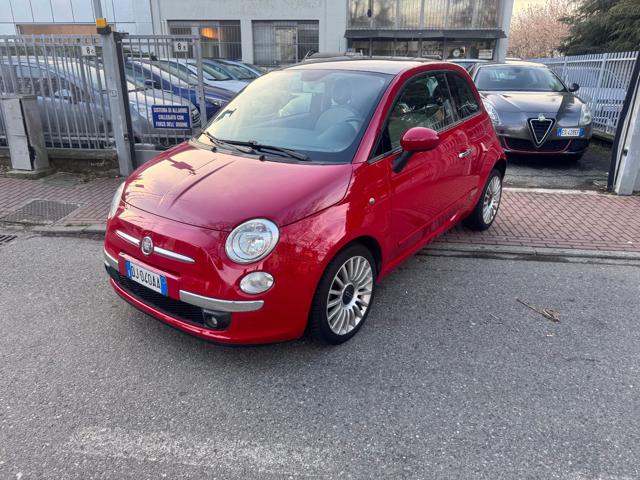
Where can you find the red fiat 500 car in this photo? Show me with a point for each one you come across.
(306, 190)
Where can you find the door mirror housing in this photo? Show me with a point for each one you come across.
(416, 139)
(574, 87)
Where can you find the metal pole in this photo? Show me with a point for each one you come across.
(197, 48)
(624, 171)
(118, 101)
(97, 8)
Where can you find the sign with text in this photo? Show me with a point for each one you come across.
(485, 54)
(175, 117)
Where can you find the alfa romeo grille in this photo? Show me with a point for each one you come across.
(540, 129)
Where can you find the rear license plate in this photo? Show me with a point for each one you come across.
(154, 281)
(570, 132)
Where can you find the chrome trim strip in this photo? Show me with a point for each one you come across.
(175, 256)
(110, 261)
(128, 238)
(209, 303)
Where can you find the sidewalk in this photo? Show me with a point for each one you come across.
(528, 219)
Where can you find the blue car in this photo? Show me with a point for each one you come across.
(158, 77)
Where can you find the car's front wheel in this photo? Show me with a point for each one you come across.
(344, 295)
(487, 207)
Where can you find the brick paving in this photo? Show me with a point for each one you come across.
(92, 197)
(584, 221)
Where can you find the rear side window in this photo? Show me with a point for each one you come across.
(464, 99)
(424, 102)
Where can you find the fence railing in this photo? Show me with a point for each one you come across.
(64, 73)
(603, 80)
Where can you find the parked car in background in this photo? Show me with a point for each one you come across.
(236, 70)
(212, 75)
(467, 63)
(74, 102)
(258, 71)
(532, 110)
(275, 220)
(178, 83)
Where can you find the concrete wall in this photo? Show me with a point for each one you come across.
(330, 14)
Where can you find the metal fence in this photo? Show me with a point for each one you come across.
(165, 75)
(603, 80)
(64, 73)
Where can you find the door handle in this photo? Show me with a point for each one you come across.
(465, 153)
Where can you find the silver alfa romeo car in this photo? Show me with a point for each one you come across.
(532, 110)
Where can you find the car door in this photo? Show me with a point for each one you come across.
(471, 131)
(420, 193)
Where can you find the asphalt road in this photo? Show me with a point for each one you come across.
(451, 378)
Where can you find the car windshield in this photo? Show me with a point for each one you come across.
(320, 113)
(240, 72)
(518, 78)
(215, 72)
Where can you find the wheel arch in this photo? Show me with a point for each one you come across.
(501, 166)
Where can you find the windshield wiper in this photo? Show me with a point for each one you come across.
(262, 147)
(217, 142)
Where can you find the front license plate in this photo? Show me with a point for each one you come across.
(157, 283)
(570, 132)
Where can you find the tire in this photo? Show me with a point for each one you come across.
(478, 220)
(339, 311)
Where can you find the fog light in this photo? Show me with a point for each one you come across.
(256, 282)
(216, 320)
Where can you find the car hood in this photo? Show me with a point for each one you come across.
(230, 85)
(534, 103)
(152, 96)
(219, 191)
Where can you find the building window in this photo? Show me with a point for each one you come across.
(219, 39)
(283, 42)
(436, 14)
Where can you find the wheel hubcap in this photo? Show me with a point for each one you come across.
(349, 295)
(491, 200)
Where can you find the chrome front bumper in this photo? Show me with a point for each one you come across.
(207, 303)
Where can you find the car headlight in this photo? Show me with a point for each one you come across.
(115, 202)
(493, 113)
(585, 115)
(252, 240)
(218, 102)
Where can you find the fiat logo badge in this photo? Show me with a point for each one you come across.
(146, 245)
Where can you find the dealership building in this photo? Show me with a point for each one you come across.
(280, 32)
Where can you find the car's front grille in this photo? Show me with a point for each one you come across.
(540, 129)
(169, 306)
(519, 144)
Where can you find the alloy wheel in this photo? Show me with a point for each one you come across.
(491, 200)
(349, 295)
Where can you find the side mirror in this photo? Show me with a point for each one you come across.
(416, 139)
(574, 87)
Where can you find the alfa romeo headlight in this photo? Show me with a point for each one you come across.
(115, 202)
(493, 113)
(585, 115)
(252, 240)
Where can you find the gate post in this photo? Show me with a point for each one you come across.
(197, 50)
(118, 100)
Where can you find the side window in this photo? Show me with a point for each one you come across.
(424, 102)
(463, 96)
